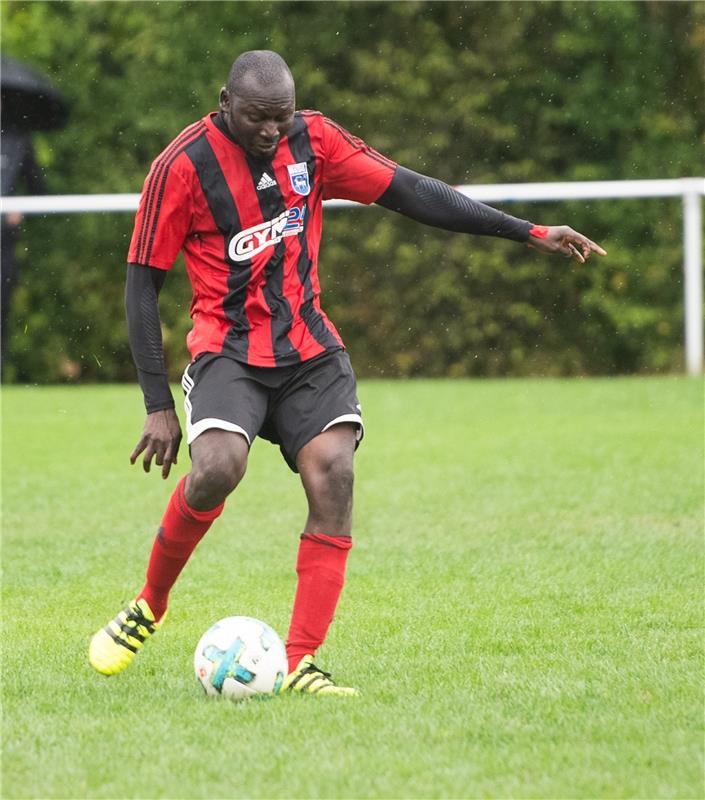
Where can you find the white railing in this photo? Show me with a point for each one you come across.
(690, 190)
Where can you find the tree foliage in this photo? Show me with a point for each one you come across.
(468, 92)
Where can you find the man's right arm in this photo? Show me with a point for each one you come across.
(142, 288)
(159, 233)
(161, 436)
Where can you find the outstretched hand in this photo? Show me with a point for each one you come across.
(160, 440)
(565, 241)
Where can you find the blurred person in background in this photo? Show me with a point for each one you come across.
(29, 103)
(240, 192)
(19, 174)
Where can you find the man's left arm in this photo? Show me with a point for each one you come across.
(435, 203)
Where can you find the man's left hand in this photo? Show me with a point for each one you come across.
(565, 241)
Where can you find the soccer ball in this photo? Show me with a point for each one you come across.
(239, 657)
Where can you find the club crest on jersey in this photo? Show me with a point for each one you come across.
(253, 240)
(298, 176)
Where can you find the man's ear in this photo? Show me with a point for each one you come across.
(224, 99)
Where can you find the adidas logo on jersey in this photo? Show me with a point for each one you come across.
(265, 182)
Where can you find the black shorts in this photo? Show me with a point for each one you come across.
(289, 406)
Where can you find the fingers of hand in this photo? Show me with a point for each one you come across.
(138, 449)
(162, 455)
(586, 245)
(170, 456)
(164, 452)
(148, 456)
(573, 252)
(569, 250)
(175, 448)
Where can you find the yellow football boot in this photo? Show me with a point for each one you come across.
(113, 647)
(308, 679)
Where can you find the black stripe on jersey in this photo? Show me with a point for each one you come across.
(224, 211)
(160, 171)
(271, 204)
(302, 151)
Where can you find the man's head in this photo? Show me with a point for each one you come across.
(258, 101)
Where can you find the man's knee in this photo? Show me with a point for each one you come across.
(326, 464)
(219, 461)
(337, 472)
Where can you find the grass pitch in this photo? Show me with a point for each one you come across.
(523, 611)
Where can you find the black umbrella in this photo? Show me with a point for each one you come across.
(29, 101)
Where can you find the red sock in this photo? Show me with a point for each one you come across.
(321, 569)
(181, 530)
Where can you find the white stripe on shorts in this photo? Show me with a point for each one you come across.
(348, 418)
(210, 423)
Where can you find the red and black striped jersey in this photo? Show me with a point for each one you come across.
(250, 231)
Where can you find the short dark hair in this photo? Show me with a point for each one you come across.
(265, 66)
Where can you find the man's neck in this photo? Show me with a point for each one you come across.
(222, 125)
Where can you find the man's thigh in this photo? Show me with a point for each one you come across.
(321, 394)
(219, 394)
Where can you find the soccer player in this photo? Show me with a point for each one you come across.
(240, 192)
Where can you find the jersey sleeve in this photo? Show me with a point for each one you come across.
(353, 170)
(163, 217)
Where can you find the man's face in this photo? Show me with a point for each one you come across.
(258, 115)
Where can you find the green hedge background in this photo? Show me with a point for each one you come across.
(468, 92)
